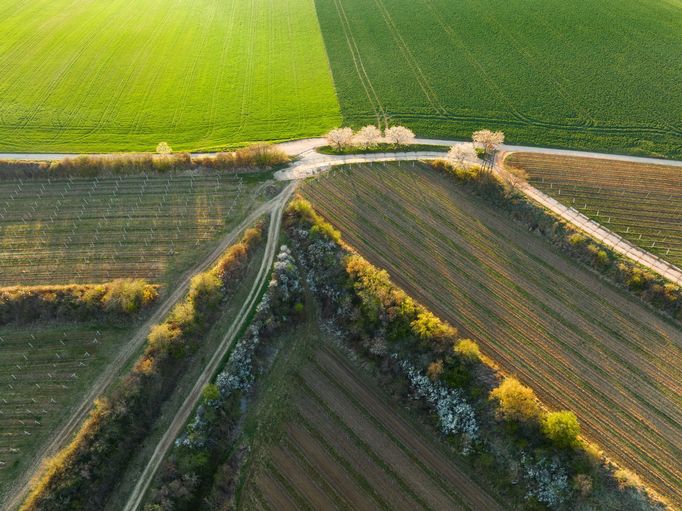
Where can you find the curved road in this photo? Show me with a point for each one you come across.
(133, 345)
(311, 163)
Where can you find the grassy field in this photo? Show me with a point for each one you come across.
(598, 75)
(642, 203)
(578, 341)
(92, 230)
(44, 369)
(327, 437)
(121, 75)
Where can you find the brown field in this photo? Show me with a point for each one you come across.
(343, 445)
(96, 229)
(642, 203)
(580, 342)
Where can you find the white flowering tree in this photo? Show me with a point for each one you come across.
(340, 138)
(399, 135)
(369, 136)
(163, 148)
(488, 140)
(460, 154)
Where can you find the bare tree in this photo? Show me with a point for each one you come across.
(340, 138)
(461, 153)
(368, 136)
(163, 148)
(488, 140)
(399, 135)
(514, 178)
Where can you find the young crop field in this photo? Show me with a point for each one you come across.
(642, 203)
(77, 230)
(199, 74)
(581, 343)
(584, 74)
(341, 443)
(44, 369)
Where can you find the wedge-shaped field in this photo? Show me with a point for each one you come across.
(92, 230)
(44, 370)
(581, 343)
(122, 75)
(580, 74)
(642, 203)
(342, 444)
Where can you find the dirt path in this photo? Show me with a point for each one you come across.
(80, 412)
(183, 414)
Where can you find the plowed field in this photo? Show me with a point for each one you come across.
(578, 341)
(343, 445)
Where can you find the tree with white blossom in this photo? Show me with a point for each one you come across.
(164, 148)
(399, 135)
(488, 140)
(462, 153)
(367, 136)
(340, 138)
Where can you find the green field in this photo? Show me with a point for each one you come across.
(584, 74)
(580, 342)
(84, 230)
(121, 75)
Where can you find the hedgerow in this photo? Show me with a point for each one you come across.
(83, 474)
(425, 359)
(203, 446)
(117, 299)
(244, 159)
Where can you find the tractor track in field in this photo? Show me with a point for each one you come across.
(276, 207)
(81, 410)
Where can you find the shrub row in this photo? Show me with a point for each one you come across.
(203, 448)
(649, 286)
(247, 158)
(531, 455)
(83, 474)
(112, 300)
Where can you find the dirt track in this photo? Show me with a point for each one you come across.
(132, 347)
(276, 206)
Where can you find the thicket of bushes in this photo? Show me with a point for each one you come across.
(83, 474)
(247, 158)
(78, 302)
(186, 479)
(535, 458)
(647, 285)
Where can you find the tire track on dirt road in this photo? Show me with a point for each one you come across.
(277, 207)
(69, 428)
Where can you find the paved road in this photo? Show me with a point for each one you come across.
(310, 162)
(183, 414)
(297, 147)
(131, 348)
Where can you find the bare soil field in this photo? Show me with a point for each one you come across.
(580, 342)
(343, 445)
(642, 203)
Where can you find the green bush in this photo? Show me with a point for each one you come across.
(561, 428)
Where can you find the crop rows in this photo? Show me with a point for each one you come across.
(43, 369)
(642, 203)
(89, 230)
(346, 448)
(199, 74)
(580, 343)
(448, 72)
